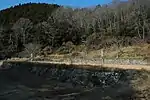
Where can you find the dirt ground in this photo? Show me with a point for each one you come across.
(23, 85)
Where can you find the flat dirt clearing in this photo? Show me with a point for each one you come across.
(20, 83)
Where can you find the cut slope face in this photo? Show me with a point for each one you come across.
(27, 81)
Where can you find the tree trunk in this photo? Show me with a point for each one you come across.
(143, 30)
(31, 56)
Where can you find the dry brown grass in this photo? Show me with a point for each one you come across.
(136, 51)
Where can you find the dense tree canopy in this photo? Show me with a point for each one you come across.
(33, 11)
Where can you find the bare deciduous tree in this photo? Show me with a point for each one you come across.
(21, 29)
(30, 50)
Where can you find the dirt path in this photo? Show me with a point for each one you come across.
(135, 67)
(89, 65)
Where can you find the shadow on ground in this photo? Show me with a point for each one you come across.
(26, 81)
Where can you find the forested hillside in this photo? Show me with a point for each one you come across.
(48, 25)
(36, 12)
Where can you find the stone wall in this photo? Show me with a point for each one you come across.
(113, 61)
(100, 61)
(126, 61)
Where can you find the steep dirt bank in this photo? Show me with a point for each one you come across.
(29, 81)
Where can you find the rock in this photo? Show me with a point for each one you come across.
(5, 65)
(1, 63)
